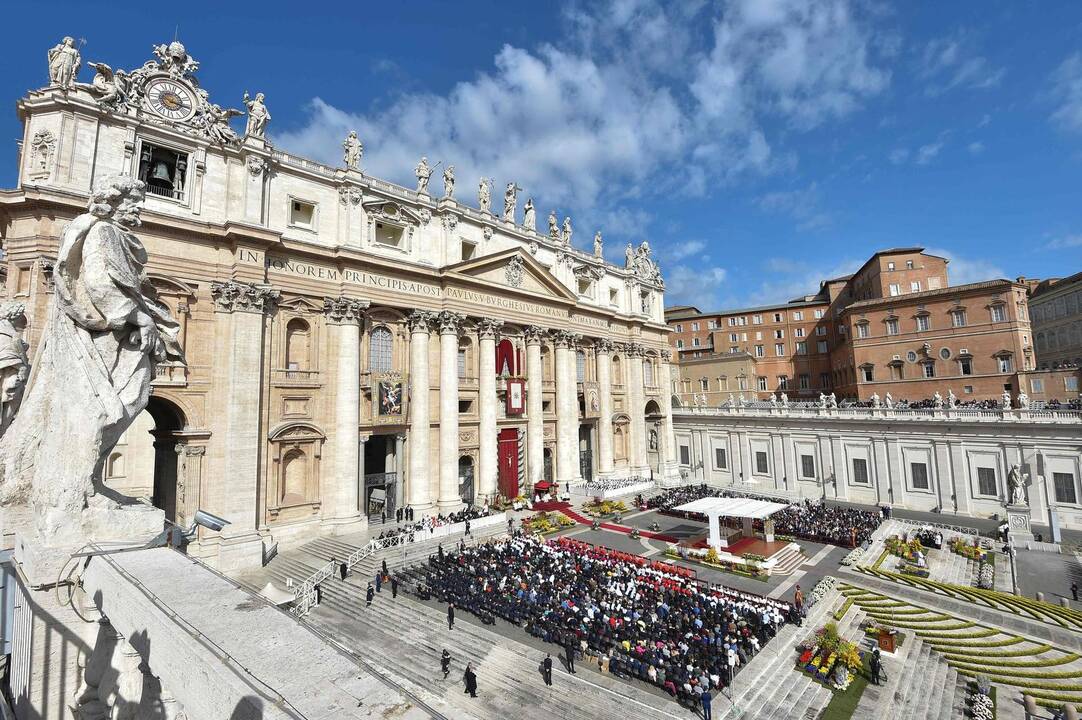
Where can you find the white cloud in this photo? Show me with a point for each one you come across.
(787, 278)
(641, 98)
(802, 205)
(963, 270)
(984, 121)
(1063, 243)
(679, 251)
(698, 286)
(1067, 93)
(898, 156)
(975, 148)
(952, 62)
(928, 153)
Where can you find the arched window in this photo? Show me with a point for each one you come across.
(580, 366)
(297, 345)
(116, 466)
(379, 351)
(294, 475)
(617, 371)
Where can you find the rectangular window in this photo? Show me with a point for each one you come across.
(461, 362)
(389, 235)
(965, 366)
(761, 465)
(734, 350)
(896, 372)
(1004, 362)
(922, 323)
(821, 347)
(821, 330)
(302, 214)
(929, 370)
(694, 327)
(679, 327)
(800, 332)
(733, 337)
(614, 297)
(818, 314)
(783, 382)
(777, 317)
(1036, 386)
(892, 327)
(1070, 384)
(757, 319)
(890, 267)
(914, 286)
(908, 264)
(1065, 488)
(742, 382)
(986, 482)
(999, 313)
(895, 290)
(824, 380)
(694, 342)
(807, 466)
(862, 330)
(805, 381)
(798, 315)
(802, 348)
(868, 373)
(720, 461)
(732, 322)
(164, 171)
(759, 335)
(704, 384)
(958, 318)
(860, 471)
(685, 455)
(918, 473)
(779, 349)
(759, 352)
(679, 344)
(712, 325)
(761, 383)
(468, 250)
(779, 334)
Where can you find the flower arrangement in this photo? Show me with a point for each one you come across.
(905, 550)
(961, 547)
(604, 508)
(544, 523)
(830, 659)
(853, 557)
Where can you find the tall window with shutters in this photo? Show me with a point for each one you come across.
(379, 351)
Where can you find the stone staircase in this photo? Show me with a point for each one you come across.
(770, 686)
(788, 560)
(920, 685)
(404, 639)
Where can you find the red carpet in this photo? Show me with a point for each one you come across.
(583, 520)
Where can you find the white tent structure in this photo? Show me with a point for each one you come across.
(747, 509)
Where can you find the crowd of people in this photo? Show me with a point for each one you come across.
(596, 487)
(640, 619)
(418, 529)
(814, 521)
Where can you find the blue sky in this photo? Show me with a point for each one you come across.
(759, 145)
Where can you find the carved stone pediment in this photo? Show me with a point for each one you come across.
(392, 212)
(515, 269)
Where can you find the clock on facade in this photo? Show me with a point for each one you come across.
(171, 99)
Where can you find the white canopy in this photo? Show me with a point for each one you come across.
(732, 507)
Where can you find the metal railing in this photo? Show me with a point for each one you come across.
(760, 409)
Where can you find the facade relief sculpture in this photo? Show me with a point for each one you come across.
(106, 331)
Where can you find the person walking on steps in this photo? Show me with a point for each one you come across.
(569, 651)
(470, 678)
(875, 665)
(546, 669)
(368, 595)
(450, 616)
(445, 663)
(343, 570)
(1074, 591)
(394, 587)
(706, 699)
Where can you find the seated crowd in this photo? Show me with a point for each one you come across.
(596, 487)
(417, 530)
(646, 620)
(817, 521)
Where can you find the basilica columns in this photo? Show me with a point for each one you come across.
(419, 493)
(241, 307)
(636, 409)
(449, 324)
(486, 463)
(343, 315)
(604, 423)
(567, 414)
(535, 413)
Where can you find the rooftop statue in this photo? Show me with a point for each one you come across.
(64, 62)
(554, 226)
(352, 150)
(449, 181)
(598, 246)
(567, 231)
(529, 215)
(510, 199)
(106, 330)
(484, 195)
(423, 173)
(258, 116)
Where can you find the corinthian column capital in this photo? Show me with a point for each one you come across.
(450, 322)
(420, 321)
(488, 327)
(344, 309)
(535, 334)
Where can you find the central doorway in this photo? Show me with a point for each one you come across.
(586, 453)
(508, 446)
(380, 475)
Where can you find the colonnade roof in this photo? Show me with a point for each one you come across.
(732, 507)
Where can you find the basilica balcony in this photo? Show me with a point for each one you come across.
(467, 382)
(296, 378)
(170, 375)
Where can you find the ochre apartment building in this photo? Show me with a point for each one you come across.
(895, 325)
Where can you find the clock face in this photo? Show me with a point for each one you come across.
(171, 99)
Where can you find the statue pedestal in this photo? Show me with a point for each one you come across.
(1019, 528)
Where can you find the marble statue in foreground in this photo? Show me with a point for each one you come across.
(91, 377)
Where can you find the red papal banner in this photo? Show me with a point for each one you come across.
(516, 396)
